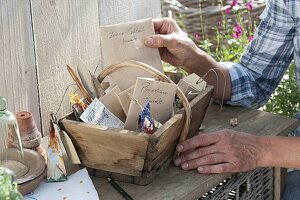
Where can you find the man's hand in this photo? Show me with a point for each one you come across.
(179, 50)
(174, 45)
(219, 152)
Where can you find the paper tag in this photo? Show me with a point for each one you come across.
(111, 101)
(125, 99)
(56, 170)
(97, 113)
(192, 83)
(69, 147)
(160, 95)
(122, 42)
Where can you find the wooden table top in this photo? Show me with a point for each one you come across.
(178, 184)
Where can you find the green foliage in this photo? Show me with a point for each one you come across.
(229, 44)
(8, 189)
(285, 100)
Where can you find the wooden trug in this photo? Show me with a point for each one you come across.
(130, 156)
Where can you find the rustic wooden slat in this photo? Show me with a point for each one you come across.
(159, 159)
(18, 82)
(63, 31)
(164, 135)
(120, 11)
(280, 175)
(107, 148)
(175, 183)
(251, 121)
(148, 177)
(199, 106)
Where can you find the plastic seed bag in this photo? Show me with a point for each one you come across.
(146, 122)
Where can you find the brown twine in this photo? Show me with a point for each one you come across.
(223, 95)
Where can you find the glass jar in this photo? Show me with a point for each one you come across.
(11, 150)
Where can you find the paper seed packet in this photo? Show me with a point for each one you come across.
(56, 170)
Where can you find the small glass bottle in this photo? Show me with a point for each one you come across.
(11, 150)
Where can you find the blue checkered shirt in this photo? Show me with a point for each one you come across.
(276, 43)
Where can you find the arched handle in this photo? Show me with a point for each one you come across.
(187, 108)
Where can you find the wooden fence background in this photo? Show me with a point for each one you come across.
(39, 37)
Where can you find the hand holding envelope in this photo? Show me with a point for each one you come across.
(123, 42)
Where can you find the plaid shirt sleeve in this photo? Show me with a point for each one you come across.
(266, 59)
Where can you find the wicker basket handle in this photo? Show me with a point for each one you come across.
(187, 117)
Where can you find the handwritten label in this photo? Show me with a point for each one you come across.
(147, 88)
(154, 97)
(160, 95)
(123, 42)
(97, 113)
(131, 31)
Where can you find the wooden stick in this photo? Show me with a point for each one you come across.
(85, 94)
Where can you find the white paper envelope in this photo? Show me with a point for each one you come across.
(122, 42)
(160, 95)
(97, 113)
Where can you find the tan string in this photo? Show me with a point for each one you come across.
(223, 95)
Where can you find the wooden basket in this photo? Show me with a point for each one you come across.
(131, 156)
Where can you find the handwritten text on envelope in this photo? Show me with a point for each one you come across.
(123, 42)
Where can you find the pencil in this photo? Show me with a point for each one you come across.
(119, 189)
(79, 84)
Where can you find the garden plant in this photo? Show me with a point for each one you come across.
(228, 44)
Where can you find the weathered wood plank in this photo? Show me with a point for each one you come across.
(250, 121)
(175, 183)
(18, 82)
(199, 106)
(118, 11)
(280, 175)
(63, 31)
(108, 149)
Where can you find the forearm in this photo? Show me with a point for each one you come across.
(213, 72)
(280, 152)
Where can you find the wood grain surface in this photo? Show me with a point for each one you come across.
(18, 79)
(176, 184)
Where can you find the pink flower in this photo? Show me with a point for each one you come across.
(238, 31)
(249, 5)
(234, 3)
(197, 36)
(228, 10)
(250, 37)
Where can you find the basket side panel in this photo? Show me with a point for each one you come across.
(199, 106)
(108, 149)
(167, 138)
